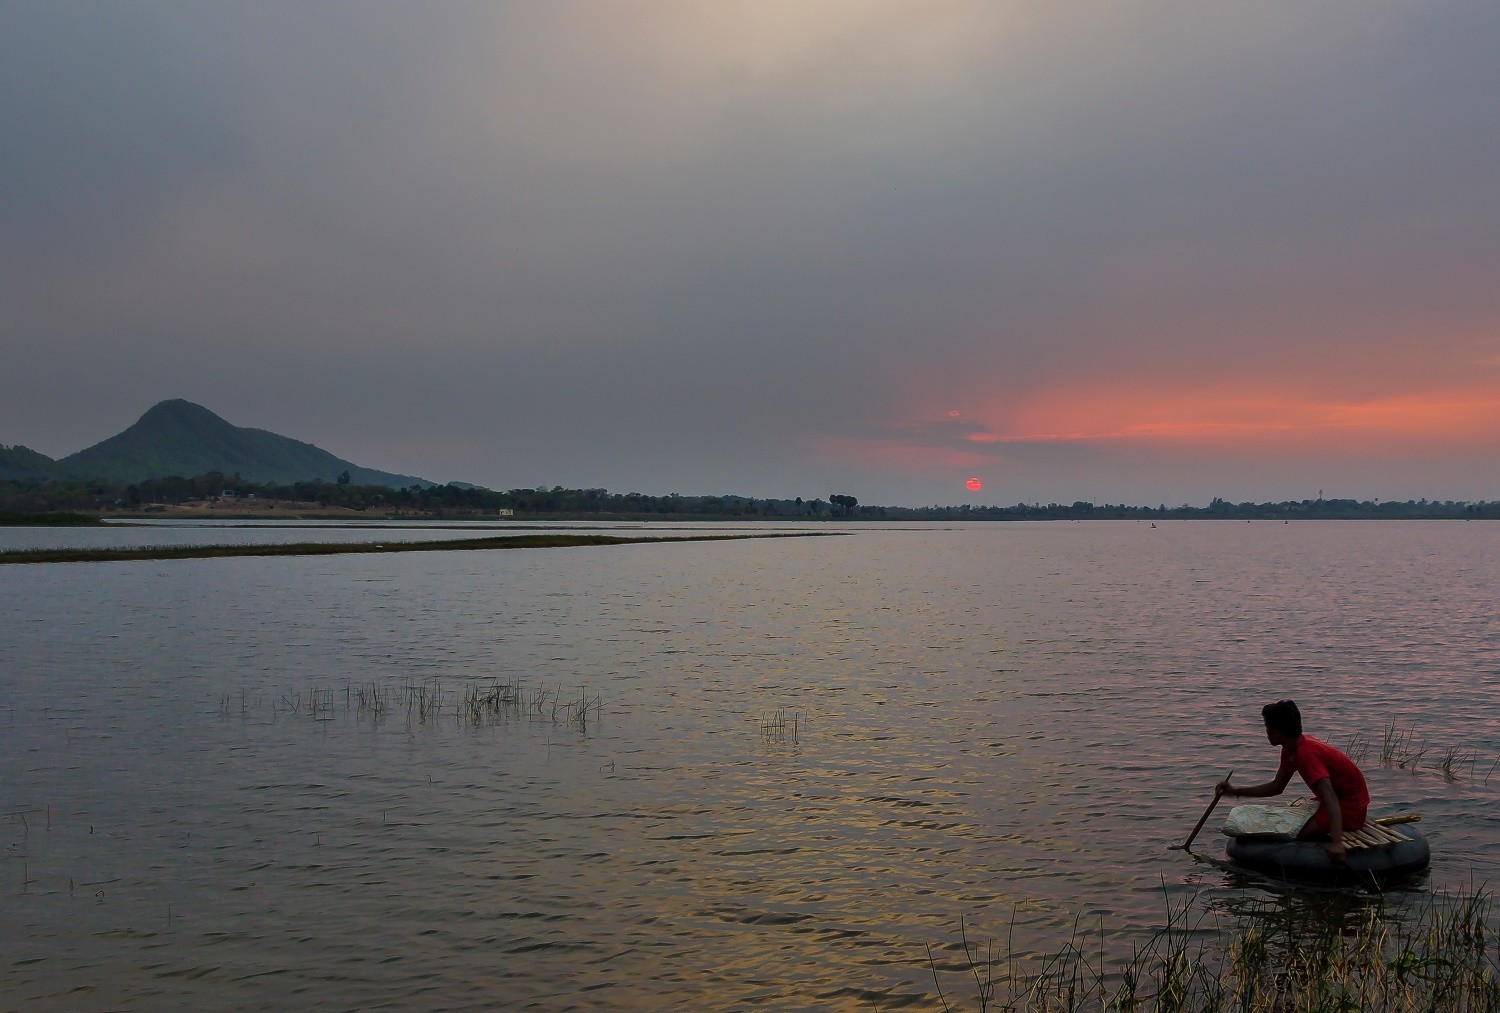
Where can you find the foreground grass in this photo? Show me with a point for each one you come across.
(1440, 957)
(344, 548)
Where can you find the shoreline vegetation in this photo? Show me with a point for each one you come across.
(549, 541)
(213, 494)
(1344, 953)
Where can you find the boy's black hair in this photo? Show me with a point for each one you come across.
(1284, 717)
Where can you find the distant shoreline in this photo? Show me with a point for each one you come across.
(248, 508)
(875, 515)
(144, 553)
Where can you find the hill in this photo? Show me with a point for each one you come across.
(24, 464)
(181, 438)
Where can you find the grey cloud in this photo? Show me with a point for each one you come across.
(105, 121)
(551, 224)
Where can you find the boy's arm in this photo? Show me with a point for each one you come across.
(1275, 786)
(1330, 799)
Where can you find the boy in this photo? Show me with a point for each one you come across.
(1343, 799)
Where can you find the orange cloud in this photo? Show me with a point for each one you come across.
(1237, 420)
(1456, 416)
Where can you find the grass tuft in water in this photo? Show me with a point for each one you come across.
(1358, 747)
(480, 704)
(1454, 760)
(1405, 750)
(780, 728)
(1401, 749)
(427, 703)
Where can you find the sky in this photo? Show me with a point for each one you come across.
(1138, 252)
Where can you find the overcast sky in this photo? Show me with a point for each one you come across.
(1122, 251)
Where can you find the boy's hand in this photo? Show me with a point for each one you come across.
(1336, 850)
(1223, 788)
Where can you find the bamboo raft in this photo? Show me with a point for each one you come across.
(1377, 833)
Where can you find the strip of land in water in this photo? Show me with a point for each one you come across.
(150, 552)
(48, 519)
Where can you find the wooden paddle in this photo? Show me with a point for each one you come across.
(1187, 844)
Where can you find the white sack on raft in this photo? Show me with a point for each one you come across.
(1265, 821)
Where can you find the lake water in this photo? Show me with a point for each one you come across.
(1004, 723)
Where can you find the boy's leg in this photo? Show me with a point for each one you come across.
(1316, 827)
(1355, 818)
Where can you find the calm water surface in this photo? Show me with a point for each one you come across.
(1004, 723)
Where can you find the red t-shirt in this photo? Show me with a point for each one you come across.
(1315, 760)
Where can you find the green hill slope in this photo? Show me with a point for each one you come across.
(24, 464)
(181, 438)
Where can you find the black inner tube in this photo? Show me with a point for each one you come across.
(1308, 862)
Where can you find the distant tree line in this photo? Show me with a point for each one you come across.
(453, 500)
(456, 500)
(1306, 509)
